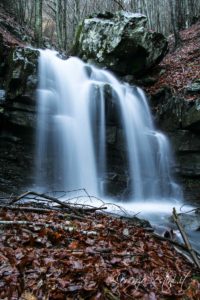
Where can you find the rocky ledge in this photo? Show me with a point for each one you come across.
(119, 42)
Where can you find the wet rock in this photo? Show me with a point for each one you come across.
(186, 145)
(111, 134)
(169, 113)
(191, 116)
(174, 112)
(129, 79)
(22, 74)
(146, 81)
(179, 119)
(119, 42)
(185, 141)
(18, 119)
(189, 164)
(194, 87)
(2, 95)
(17, 162)
(21, 118)
(20, 88)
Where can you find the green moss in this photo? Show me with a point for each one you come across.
(120, 43)
(75, 46)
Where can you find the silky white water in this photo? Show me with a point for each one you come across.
(71, 134)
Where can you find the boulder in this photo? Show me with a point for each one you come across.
(20, 87)
(119, 42)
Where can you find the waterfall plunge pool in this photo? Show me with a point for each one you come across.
(72, 150)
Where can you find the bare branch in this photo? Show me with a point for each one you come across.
(185, 238)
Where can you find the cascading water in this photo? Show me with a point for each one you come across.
(71, 148)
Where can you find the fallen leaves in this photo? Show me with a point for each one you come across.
(101, 258)
(181, 67)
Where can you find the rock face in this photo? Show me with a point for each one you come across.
(17, 118)
(119, 42)
(191, 116)
(20, 87)
(180, 119)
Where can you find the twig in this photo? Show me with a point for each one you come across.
(185, 238)
(189, 211)
(46, 210)
(63, 204)
(19, 197)
(87, 194)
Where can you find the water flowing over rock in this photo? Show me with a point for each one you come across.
(73, 150)
(119, 42)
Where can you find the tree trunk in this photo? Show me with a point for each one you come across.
(59, 20)
(64, 25)
(177, 38)
(38, 23)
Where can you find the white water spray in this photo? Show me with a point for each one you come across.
(71, 148)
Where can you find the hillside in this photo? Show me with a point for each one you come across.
(11, 32)
(180, 67)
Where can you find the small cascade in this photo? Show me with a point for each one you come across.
(71, 135)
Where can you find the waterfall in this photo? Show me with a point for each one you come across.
(71, 134)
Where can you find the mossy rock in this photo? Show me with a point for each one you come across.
(22, 73)
(21, 81)
(119, 42)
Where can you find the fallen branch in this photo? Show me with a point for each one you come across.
(55, 200)
(27, 208)
(185, 238)
(197, 209)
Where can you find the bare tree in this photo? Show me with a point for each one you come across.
(38, 22)
(174, 12)
(63, 16)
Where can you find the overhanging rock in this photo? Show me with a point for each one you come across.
(119, 42)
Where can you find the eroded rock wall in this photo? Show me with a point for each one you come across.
(18, 119)
(180, 119)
